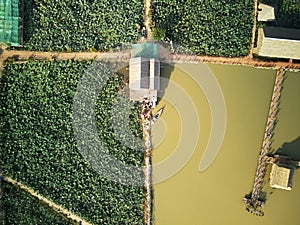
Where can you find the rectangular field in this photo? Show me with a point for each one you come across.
(39, 148)
(68, 25)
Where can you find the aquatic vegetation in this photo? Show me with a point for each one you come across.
(288, 14)
(39, 149)
(80, 25)
(206, 27)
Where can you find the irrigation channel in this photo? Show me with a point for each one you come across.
(255, 202)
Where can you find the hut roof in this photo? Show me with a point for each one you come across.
(144, 76)
(279, 42)
(281, 177)
(266, 12)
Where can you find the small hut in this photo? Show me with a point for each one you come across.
(278, 42)
(281, 176)
(266, 13)
(144, 73)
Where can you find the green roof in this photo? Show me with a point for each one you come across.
(9, 22)
(144, 50)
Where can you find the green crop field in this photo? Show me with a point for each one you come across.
(20, 208)
(39, 148)
(80, 25)
(207, 27)
(288, 13)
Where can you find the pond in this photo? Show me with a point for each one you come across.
(190, 129)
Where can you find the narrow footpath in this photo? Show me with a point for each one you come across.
(255, 7)
(147, 18)
(146, 117)
(115, 56)
(125, 55)
(57, 208)
(246, 61)
(253, 203)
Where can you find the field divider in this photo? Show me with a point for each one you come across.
(116, 56)
(125, 56)
(146, 118)
(245, 61)
(255, 12)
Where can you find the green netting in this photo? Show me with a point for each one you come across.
(9, 22)
(144, 50)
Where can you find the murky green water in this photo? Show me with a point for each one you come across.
(214, 197)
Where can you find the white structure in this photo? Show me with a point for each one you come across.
(281, 177)
(265, 13)
(144, 79)
(278, 42)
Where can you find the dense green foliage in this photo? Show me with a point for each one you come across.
(20, 208)
(80, 25)
(288, 14)
(208, 27)
(39, 148)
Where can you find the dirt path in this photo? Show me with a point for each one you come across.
(147, 18)
(125, 55)
(146, 116)
(255, 6)
(118, 56)
(234, 61)
(57, 208)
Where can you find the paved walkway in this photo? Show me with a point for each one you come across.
(57, 208)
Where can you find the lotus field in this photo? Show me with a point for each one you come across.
(39, 148)
(289, 13)
(80, 25)
(206, 27)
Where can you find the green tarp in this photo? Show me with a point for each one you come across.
(9, 22)
(144, 50)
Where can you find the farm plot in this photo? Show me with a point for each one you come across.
(206, 27)
(39, 148)
(288, 13)
(80, 25)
